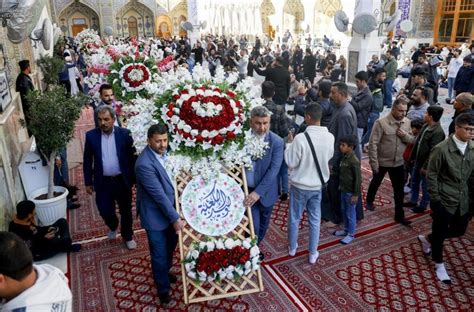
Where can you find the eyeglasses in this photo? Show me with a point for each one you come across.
(468, 129)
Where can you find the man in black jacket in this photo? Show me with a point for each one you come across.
(280, 76)
(24, 84)
(309, 66)
(362, 103)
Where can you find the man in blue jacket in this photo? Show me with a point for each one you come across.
(155, 204)
(262, 180)
(109, 157)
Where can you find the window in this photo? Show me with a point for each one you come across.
(79, 21)
(446, 27)
(465, 24)
(467, 5)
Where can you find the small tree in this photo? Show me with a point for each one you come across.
(52, 119)
(50, 66)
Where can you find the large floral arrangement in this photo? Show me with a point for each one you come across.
(88, 39)
(130, 75)
(203, 119)
(221, 259)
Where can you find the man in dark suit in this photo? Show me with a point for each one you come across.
(280, 76)
(109, 157)
(155, 204)
(262, 180)
(23, 85)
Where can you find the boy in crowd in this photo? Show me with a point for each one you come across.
(349, 187)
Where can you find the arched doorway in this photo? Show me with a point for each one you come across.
(177, 14)
(266, 10)
(77, 17)
(132, 26)
(182, 31)
(135, 19)
(164, 26)
(293, 15)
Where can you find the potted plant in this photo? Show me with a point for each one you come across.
(52, 118)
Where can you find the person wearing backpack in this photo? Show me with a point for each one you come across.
(375, 84)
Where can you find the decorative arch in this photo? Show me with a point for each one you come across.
(176, 15)
(164, 27)
(78, 16)
(293, 15)
(327, 7)
(267, 9)
(144, 20)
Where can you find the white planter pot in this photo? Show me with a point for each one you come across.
(50, 210)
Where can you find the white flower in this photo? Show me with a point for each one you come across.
(248, 264)
(194, 254)
(205, 133)
(192, 275)
(219, 244)
(230, 276)
(202, 245)
(210, 245)
(189, 266)
(229, 243)
(246, 244)
(254, 251)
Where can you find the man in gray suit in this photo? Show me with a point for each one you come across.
(155, 205)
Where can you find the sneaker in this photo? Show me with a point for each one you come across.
(425, 245)
(112, 234)
(409, 204)
(347, 240)
(131, 244)
(370, 206)
(292, 252)
(313, 257)
(284, 196)
(340, 233)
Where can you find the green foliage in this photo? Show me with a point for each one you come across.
(50, 67)
(52, 118)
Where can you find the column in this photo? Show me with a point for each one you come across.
(309, 16)
(362, 48)
(193, 18)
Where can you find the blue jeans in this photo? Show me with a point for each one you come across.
(162, 245)
(283, 178)
(299, 200)
(373, 116)
(451, 86)
(416, 179)
(348, 213)
(261, 219)
(387, 96)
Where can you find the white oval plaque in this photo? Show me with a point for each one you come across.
(214, 207)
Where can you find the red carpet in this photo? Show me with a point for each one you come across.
(383, 269)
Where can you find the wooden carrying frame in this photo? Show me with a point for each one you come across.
(195, 292)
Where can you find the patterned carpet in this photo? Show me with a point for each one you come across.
(383, 269)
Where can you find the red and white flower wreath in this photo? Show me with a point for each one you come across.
(134, 76)
(204, 116)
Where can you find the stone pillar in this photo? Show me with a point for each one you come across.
(362, 48)
(309, 11)
(279, 18)
(193, 18)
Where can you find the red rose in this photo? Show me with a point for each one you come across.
(231, 135)
(169, 114)
(218, 139)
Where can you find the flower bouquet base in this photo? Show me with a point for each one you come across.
(218, 288)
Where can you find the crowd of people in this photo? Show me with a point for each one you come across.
(317, 129)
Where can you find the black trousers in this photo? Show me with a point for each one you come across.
(114, 190)
(46, 248)
(445, 225)
(397, 176)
